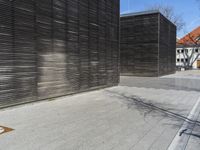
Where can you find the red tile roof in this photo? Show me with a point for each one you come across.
(192, 38)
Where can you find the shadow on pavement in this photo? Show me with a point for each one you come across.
(192, 134)
(146, 107)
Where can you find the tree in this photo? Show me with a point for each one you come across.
(170, 14)
(191, 50)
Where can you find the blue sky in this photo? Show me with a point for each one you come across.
(189, 9)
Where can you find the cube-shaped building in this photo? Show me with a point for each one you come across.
(148, 44)
(51, 48)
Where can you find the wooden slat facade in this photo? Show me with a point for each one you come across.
(148, 43)
(51, 48)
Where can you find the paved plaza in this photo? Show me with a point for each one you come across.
(139, 114)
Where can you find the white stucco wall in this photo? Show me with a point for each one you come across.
(181, 56)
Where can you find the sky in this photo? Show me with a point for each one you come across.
(188, 9)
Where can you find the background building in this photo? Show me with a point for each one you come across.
(50, 48)
(148, 44)
(188, 50)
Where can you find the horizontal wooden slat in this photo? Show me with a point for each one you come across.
(147, 45)
(51, 48)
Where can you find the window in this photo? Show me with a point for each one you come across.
(178, 60)
(196, 50)
(178, 51)
(182, 60)
(186, 60)
(186, 50)
(182, 51)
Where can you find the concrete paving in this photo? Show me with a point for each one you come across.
(194, 141)
(139, 114)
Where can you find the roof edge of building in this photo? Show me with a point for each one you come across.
(140, 13)
(187, 46)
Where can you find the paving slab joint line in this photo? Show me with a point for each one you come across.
(180, 142)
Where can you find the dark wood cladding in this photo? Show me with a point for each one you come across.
(51, 48)
(167, 47)
(148, 43)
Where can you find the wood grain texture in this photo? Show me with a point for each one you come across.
(51, 48)
(145, 41)
(167, 47)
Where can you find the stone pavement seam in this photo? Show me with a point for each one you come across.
(181, 140)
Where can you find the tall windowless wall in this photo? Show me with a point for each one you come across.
(148, 43)
(50, 48)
